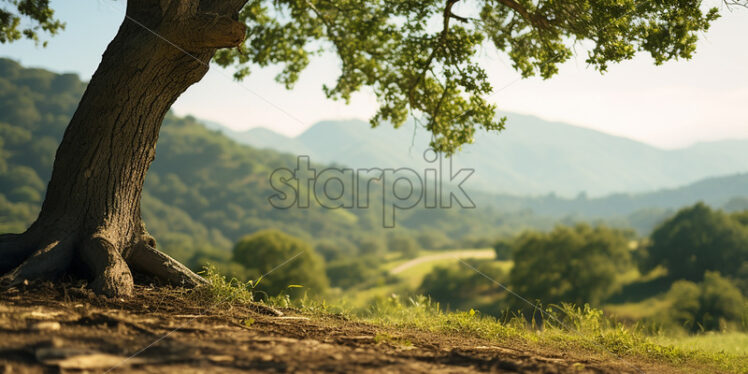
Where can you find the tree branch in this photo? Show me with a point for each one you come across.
(525, 13)
(447, 15)
(212, 31)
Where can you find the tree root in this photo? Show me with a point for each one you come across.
(112, 276)
(146, 259)
(44, 264)
(109, 268)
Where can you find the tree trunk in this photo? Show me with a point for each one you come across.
(91, 212)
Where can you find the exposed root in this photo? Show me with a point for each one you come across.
(110, 267)
(112, 276)
(45, 264)
(146, 259)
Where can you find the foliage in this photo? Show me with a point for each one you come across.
(697, 239)
(370, 246)
(460, 287)
(353, 271)
(434, 239)
(403, 244)
(27, 19)
(576, 264)
(420, 57)
(335, 249)
(503, 249)
(278, 260)
(712, 304)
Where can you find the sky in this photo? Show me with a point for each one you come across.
(670, 106)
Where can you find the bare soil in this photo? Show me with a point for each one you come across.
(62, 328)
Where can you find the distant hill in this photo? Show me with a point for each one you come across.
(729, 193)
(531, 157)
(262, 138)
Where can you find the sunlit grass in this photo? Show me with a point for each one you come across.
(728, 342)
(576, 329)
(571, 329)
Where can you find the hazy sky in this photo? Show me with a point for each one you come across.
(672, 105)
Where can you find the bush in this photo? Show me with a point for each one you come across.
(335, 249)
(460, 287)
(714, 304)
(576, 264)
(503, 249)
(283, 260)
(370, 246)
(695, 240)
(403, 244)
(351, 272)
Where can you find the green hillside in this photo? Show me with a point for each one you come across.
(204, 191)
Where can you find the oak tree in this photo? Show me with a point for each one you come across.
(419, 58)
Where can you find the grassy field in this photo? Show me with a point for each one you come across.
(384, 304)
(585, 331)
(734, 343)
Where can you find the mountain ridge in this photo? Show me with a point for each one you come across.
(531, 157)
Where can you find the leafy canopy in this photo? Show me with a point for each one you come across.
(697, 239)
(421, 57)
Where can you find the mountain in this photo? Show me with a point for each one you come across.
(261, 137)
(531, 157)
(727, 192)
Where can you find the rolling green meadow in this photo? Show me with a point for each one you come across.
(657, 273)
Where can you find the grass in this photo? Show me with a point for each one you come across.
(735, 343)
(222, 290)
(582, 329)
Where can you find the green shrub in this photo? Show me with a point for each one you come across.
(577, 264)
(403, 244)
(714, 304)
(695, 240)
(282, 261)
(351, 272)
(457, 286)
(503, 249)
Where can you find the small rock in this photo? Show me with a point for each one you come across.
(46, 326)
(220, 358)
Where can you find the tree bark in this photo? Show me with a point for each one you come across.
(91, 212)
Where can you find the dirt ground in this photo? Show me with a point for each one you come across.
(52, 328)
